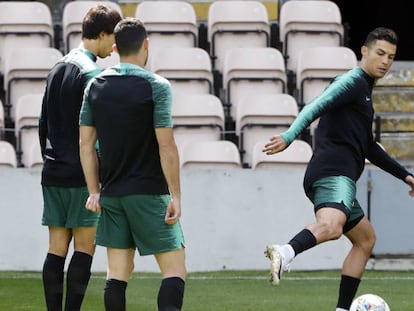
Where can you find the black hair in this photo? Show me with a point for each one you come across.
(381, 33)
(130, 34)
(100, 18)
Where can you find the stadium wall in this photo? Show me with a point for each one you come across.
(228, 218)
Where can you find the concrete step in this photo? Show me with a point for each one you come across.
(393, 99)
(399, 145)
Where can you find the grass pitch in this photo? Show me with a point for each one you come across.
(222, 291)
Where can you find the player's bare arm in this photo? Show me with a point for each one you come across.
(410, 181)
(89, 161)
(171, 168)
(275, 145)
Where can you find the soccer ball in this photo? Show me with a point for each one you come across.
(369, 302)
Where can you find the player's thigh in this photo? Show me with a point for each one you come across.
(146, 216)
(172, 263)
(113, 229)
(84, 239)
(78, 215)
(65, 207)
(362, 234)
(59, 239)
(120, 263)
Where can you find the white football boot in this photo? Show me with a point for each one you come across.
(276, 263)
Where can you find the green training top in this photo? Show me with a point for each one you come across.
(59, 120)
(344, 136)
(126, 103)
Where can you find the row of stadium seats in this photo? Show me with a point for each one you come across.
(196, 154)
(196, 117)
(173, 23)
(246, 71)
(170, 23)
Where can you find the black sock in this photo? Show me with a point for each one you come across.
(53, 276)
(302, 241)
(114, 295)
(347, 290)
(170, 295)
(77, 279)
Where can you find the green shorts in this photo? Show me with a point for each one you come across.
(337, 192)
(137, 221)
(65, 207)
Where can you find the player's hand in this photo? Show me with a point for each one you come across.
(92, 203)
(173, 213)
(275, 145)
(410, 181)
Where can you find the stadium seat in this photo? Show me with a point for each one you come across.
(235, 24)
(317, 66)
(34, 156)
(197, 117)
(26, 73)
(23, 24)
(72, 17)
(252, 71)
(7, 154)
(259, 117)
(168, 24)
(304, 24)
(28, 109)
(210, 154)
(188, 69)
(297, 154)
(1, 118)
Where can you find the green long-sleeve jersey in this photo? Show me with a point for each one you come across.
(344, 136)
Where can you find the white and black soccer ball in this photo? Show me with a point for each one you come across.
(369, 302)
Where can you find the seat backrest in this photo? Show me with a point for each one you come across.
(26, 73)
(252, 71)
(210, 154)
(197, 108)
(298, 154)
(72, 17)
(197, 117)
(305, 24)
(259, 117)
(169, 17)
(317, 66)
(188, 69)
(7, 154)
(33, 158)
(28, 108)
(168, 24)
(22, 24)
(234, 24)
(1, 116)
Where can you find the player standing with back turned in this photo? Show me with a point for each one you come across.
(128, 109)
(63, 183)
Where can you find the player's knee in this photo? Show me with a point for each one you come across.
(369, 243)
(333, 231)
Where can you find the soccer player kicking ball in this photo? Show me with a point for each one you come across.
(342, 143)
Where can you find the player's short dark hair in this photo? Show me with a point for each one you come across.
(100, 18)
(381, 33)
(130, 34)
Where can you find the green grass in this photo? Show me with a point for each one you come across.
(222, 291)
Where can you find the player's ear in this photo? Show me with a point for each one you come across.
(146, 43)
(115, 48)
(364, 50)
